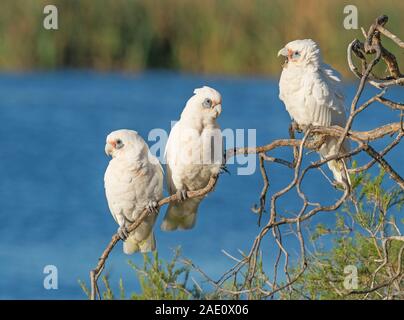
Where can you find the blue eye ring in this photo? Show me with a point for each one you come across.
(207, 103)
(296, 54)
(119, 144)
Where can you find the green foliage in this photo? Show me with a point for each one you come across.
(158, 279)
(357, 240)
(162, 280)
(242, 284)
(84, 287)
(212, 36)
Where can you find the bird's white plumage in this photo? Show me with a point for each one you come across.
(191, 156)
(133, 179)
(312, 95)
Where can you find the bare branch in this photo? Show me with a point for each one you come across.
(255, 284)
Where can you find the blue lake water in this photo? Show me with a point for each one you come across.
(53, 208)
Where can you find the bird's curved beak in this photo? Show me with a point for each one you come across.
(283, 52)
(108, 149)
(217, 109)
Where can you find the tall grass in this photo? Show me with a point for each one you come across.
(210, 36)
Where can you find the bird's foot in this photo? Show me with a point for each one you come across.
(292, 130)
(306, 128)
(223, 169)
(181, 194)
(294, 127)
(317, 141)
(153, 207)
(123, 233)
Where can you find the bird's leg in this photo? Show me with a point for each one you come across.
(123, 232)
(223, 169)
(292, 128)
(307, 128)
(152, 207)
(302, 128)
(313, 139)
(181, 194)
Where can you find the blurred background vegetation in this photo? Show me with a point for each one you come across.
(210, 36)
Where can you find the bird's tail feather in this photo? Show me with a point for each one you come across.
(181, 215)
(132, 245)
(336, 166)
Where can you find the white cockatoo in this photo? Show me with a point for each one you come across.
(133, 181)
(193, 154)
(311, 93)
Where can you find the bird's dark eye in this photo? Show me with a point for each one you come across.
(296, 54)
(119, 144)
(207, 103)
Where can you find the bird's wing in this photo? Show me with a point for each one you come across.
(120, 192)
(323, 99)
(156, 179)
(332, 73)
(333, 79)
(170, 154)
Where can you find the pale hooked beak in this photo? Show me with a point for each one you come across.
(283, 52)
(218, 109)
(108, 149)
